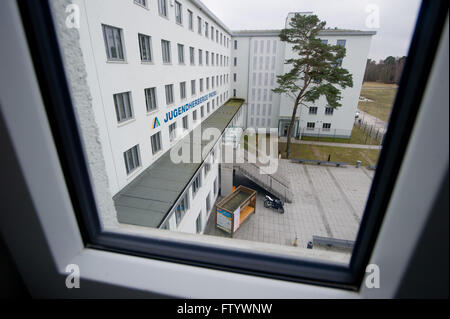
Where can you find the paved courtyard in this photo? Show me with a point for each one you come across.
(328, 201)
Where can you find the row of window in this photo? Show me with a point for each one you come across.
(123, 101)
(216, 58)
(261, 110)
(261, 95)
(183, 205)
(256, 122)
(203, 27)
(132, 156)
(265, 44)
(262, 79)
(312, 126)
(264, 63)
(313, 110)
(115, 51)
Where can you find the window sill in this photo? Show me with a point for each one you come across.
(133, 173)
(140, 5)
(120, 124)
(147, 62)
(117, 61)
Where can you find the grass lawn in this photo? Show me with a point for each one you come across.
(382, 95)
(358, 137)
(338, 154)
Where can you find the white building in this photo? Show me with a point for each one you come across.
(258, 57)
(158, 69)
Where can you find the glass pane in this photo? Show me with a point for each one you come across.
(312, 200)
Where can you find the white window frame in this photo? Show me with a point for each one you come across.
(148, 46)
(178, 13)
(63, 244)
(105, 27)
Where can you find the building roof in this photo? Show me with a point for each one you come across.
(276, 32)
(153, 194)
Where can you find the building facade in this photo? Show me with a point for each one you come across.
(158, 69)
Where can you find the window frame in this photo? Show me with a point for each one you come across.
(122, 46)
(150, 53)
(63, 125)
(178, 14)
(169, 53)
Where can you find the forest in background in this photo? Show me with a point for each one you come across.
(388, 70)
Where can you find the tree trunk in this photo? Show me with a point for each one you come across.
(289, 133)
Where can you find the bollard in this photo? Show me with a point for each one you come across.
(358, 164)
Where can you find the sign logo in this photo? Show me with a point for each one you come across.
(156, 122)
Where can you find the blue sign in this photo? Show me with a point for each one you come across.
(180, 110)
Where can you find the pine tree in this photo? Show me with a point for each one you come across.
(317, 70)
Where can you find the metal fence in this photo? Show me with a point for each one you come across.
(372, 133)
(369, 134)
(325, 135)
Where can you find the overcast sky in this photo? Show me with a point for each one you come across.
(396, 18)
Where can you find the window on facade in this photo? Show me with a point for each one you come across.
(198, 223)
(192, 55)
(178, 12)
(183, 90)
(185, 123)
(113, 43)
(207, 58)
(150, 99)
(156, 142)
(200, 57)
(194, 115)
(235, 44)
(169, 94)
(208, 203)
(201, 85)
(206, 29)
(326, 126)
(234, 77)
(162, 7)
(202, 111)
(207, 83)
(196, 184)
(329, 111)
(132, 160)
(180, 53)
(173, 131)
(235, 61)
(141, 2)
(192, 87)
(124, 110)
(199, 20)
(165, 45)
(207, 107)
(217, 36)
(145, 47)
(313, 110)
(212, 33)
(181, 209)
(310, 125)
(234, 92)
(191, 20)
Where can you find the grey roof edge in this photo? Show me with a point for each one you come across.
(211, 15)
(327, 32)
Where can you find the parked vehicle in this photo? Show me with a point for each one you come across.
(274, 203)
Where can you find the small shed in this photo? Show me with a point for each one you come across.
(235, 208)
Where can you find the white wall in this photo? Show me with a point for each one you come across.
(107, 78)
(355, 62)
